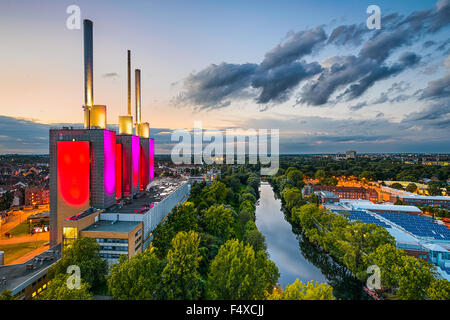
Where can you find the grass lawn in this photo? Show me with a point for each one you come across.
(15, 251)
(20, 230)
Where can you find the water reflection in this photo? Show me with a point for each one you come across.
(294, 256)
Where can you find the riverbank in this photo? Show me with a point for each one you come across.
(345, 285)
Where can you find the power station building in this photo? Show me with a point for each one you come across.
(93, 169)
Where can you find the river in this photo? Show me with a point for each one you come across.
(294, 256)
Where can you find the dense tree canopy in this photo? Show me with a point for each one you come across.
(137, 278)
(84, 253)
(57, 289)
(181, 278)
(238, 272)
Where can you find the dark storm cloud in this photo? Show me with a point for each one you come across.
(343, 71)
(358, 106)
(441, 16)
(295, 47)
(443, 45)
(380, 47)
(354, 34)
(406, 60)
(428, 44)
(277, 82)
(436, 115)
(439, 88)
(211, 87)
(283, 69)
(348, 34)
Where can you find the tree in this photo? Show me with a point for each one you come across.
(293, 198)
(256, 239)
(6, 200)
(219, 221)
(439, 290)
(137, 278)
(246, 196)
(84, 253)
(397, 185)
(253, 181)
(57, 289)
(239, 273)
(320, 174)
(295, 177)
(6, 295)
(415, 276)
(434, 188)
(217, 191)
(386, 257)
(180, 277)
(367, 175)
(182, 218)
(412, 187)
(300, 291)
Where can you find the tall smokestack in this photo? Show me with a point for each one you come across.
(88, 72)
(138, 95)
(129, 83)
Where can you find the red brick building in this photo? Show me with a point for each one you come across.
(354, 193)
(36, 196)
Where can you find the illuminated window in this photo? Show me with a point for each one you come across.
(69, 235)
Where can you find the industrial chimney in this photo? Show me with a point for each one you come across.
(88, 72)
(126, 122)
(129, 83)
(138, 96)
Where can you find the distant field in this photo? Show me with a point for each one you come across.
(15, 251)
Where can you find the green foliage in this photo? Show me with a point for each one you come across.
(137, 278)
(84, 253)
(415, 276)
(238, 272)
(246, 196)
(320, 174)
(300, 291)
(412, 187)
(57, 289)
(6, 200)
(349, 242)
(182, 218)
(386, 257)
(295, 177)
(253, 181)
(434, 188)
(219, 221)
(439, 290)
(397, 185)
(255, 238)
(180, 277)
(293, 197)
(6, 295)
(367, 175)
(217, 191)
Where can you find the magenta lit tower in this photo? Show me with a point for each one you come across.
(82, 161)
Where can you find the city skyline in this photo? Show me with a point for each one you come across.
(319, 75)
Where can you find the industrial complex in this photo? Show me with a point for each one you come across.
(102, 186)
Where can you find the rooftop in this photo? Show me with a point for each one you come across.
(145, 200)
(15, 277)
(110, 226)
(367, 205)
(416, 196)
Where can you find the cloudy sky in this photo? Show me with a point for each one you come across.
(311, 69)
